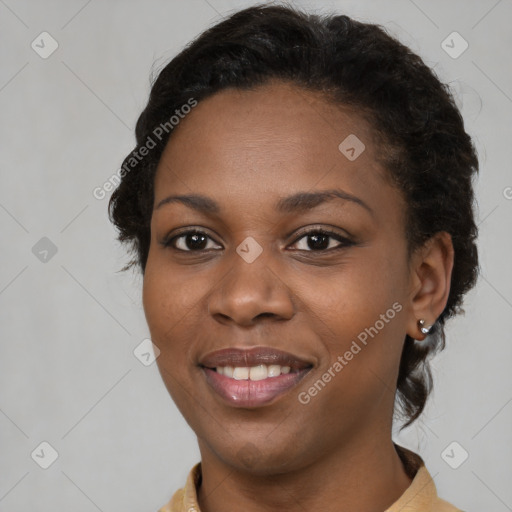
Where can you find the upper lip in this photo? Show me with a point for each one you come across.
(252, 357)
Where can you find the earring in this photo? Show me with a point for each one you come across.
(423, 329)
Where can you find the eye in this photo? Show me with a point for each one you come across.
(317, 240)
(195, 240)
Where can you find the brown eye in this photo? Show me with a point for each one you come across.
(189, 241)
(319, 240)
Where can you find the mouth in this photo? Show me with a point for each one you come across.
(253, 378)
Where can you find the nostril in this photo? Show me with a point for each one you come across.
(265, 315)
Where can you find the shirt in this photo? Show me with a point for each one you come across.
(420, 496)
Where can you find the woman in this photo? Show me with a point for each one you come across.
(300, 204)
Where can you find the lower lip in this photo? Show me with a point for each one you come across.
(252, 393)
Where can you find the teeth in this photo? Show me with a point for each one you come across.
(274, 370)
(241, 373)
(259, 372)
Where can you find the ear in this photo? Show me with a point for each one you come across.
(430, 279)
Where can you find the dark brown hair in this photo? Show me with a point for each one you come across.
(428, 155)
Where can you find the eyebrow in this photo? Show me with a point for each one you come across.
(296, 203)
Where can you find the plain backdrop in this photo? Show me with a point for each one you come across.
(70, 322)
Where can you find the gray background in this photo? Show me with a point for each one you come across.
(70, 324)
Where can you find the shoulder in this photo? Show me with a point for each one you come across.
(421, 496)
(185, 499)
(175, 503)
(441, 505)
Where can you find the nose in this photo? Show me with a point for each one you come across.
(250, 293)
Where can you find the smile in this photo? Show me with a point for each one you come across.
(242, 389)
(259, 372)
(252, 377)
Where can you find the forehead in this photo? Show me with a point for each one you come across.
(272, 140)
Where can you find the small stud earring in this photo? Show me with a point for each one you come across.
(423, 329)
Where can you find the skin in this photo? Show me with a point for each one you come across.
(246, 150)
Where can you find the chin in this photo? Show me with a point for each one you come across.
(258, 458)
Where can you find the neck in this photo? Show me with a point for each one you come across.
(364, 475)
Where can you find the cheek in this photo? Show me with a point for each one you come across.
(359, 315)
(365, 330)
(169, 309)
(171, 298)
(353, 295)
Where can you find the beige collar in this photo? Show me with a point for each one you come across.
(420, 496)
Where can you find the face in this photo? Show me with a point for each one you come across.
(320, 277)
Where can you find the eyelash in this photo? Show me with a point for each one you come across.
(344, 242)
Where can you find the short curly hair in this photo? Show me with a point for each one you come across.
(423, 145)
